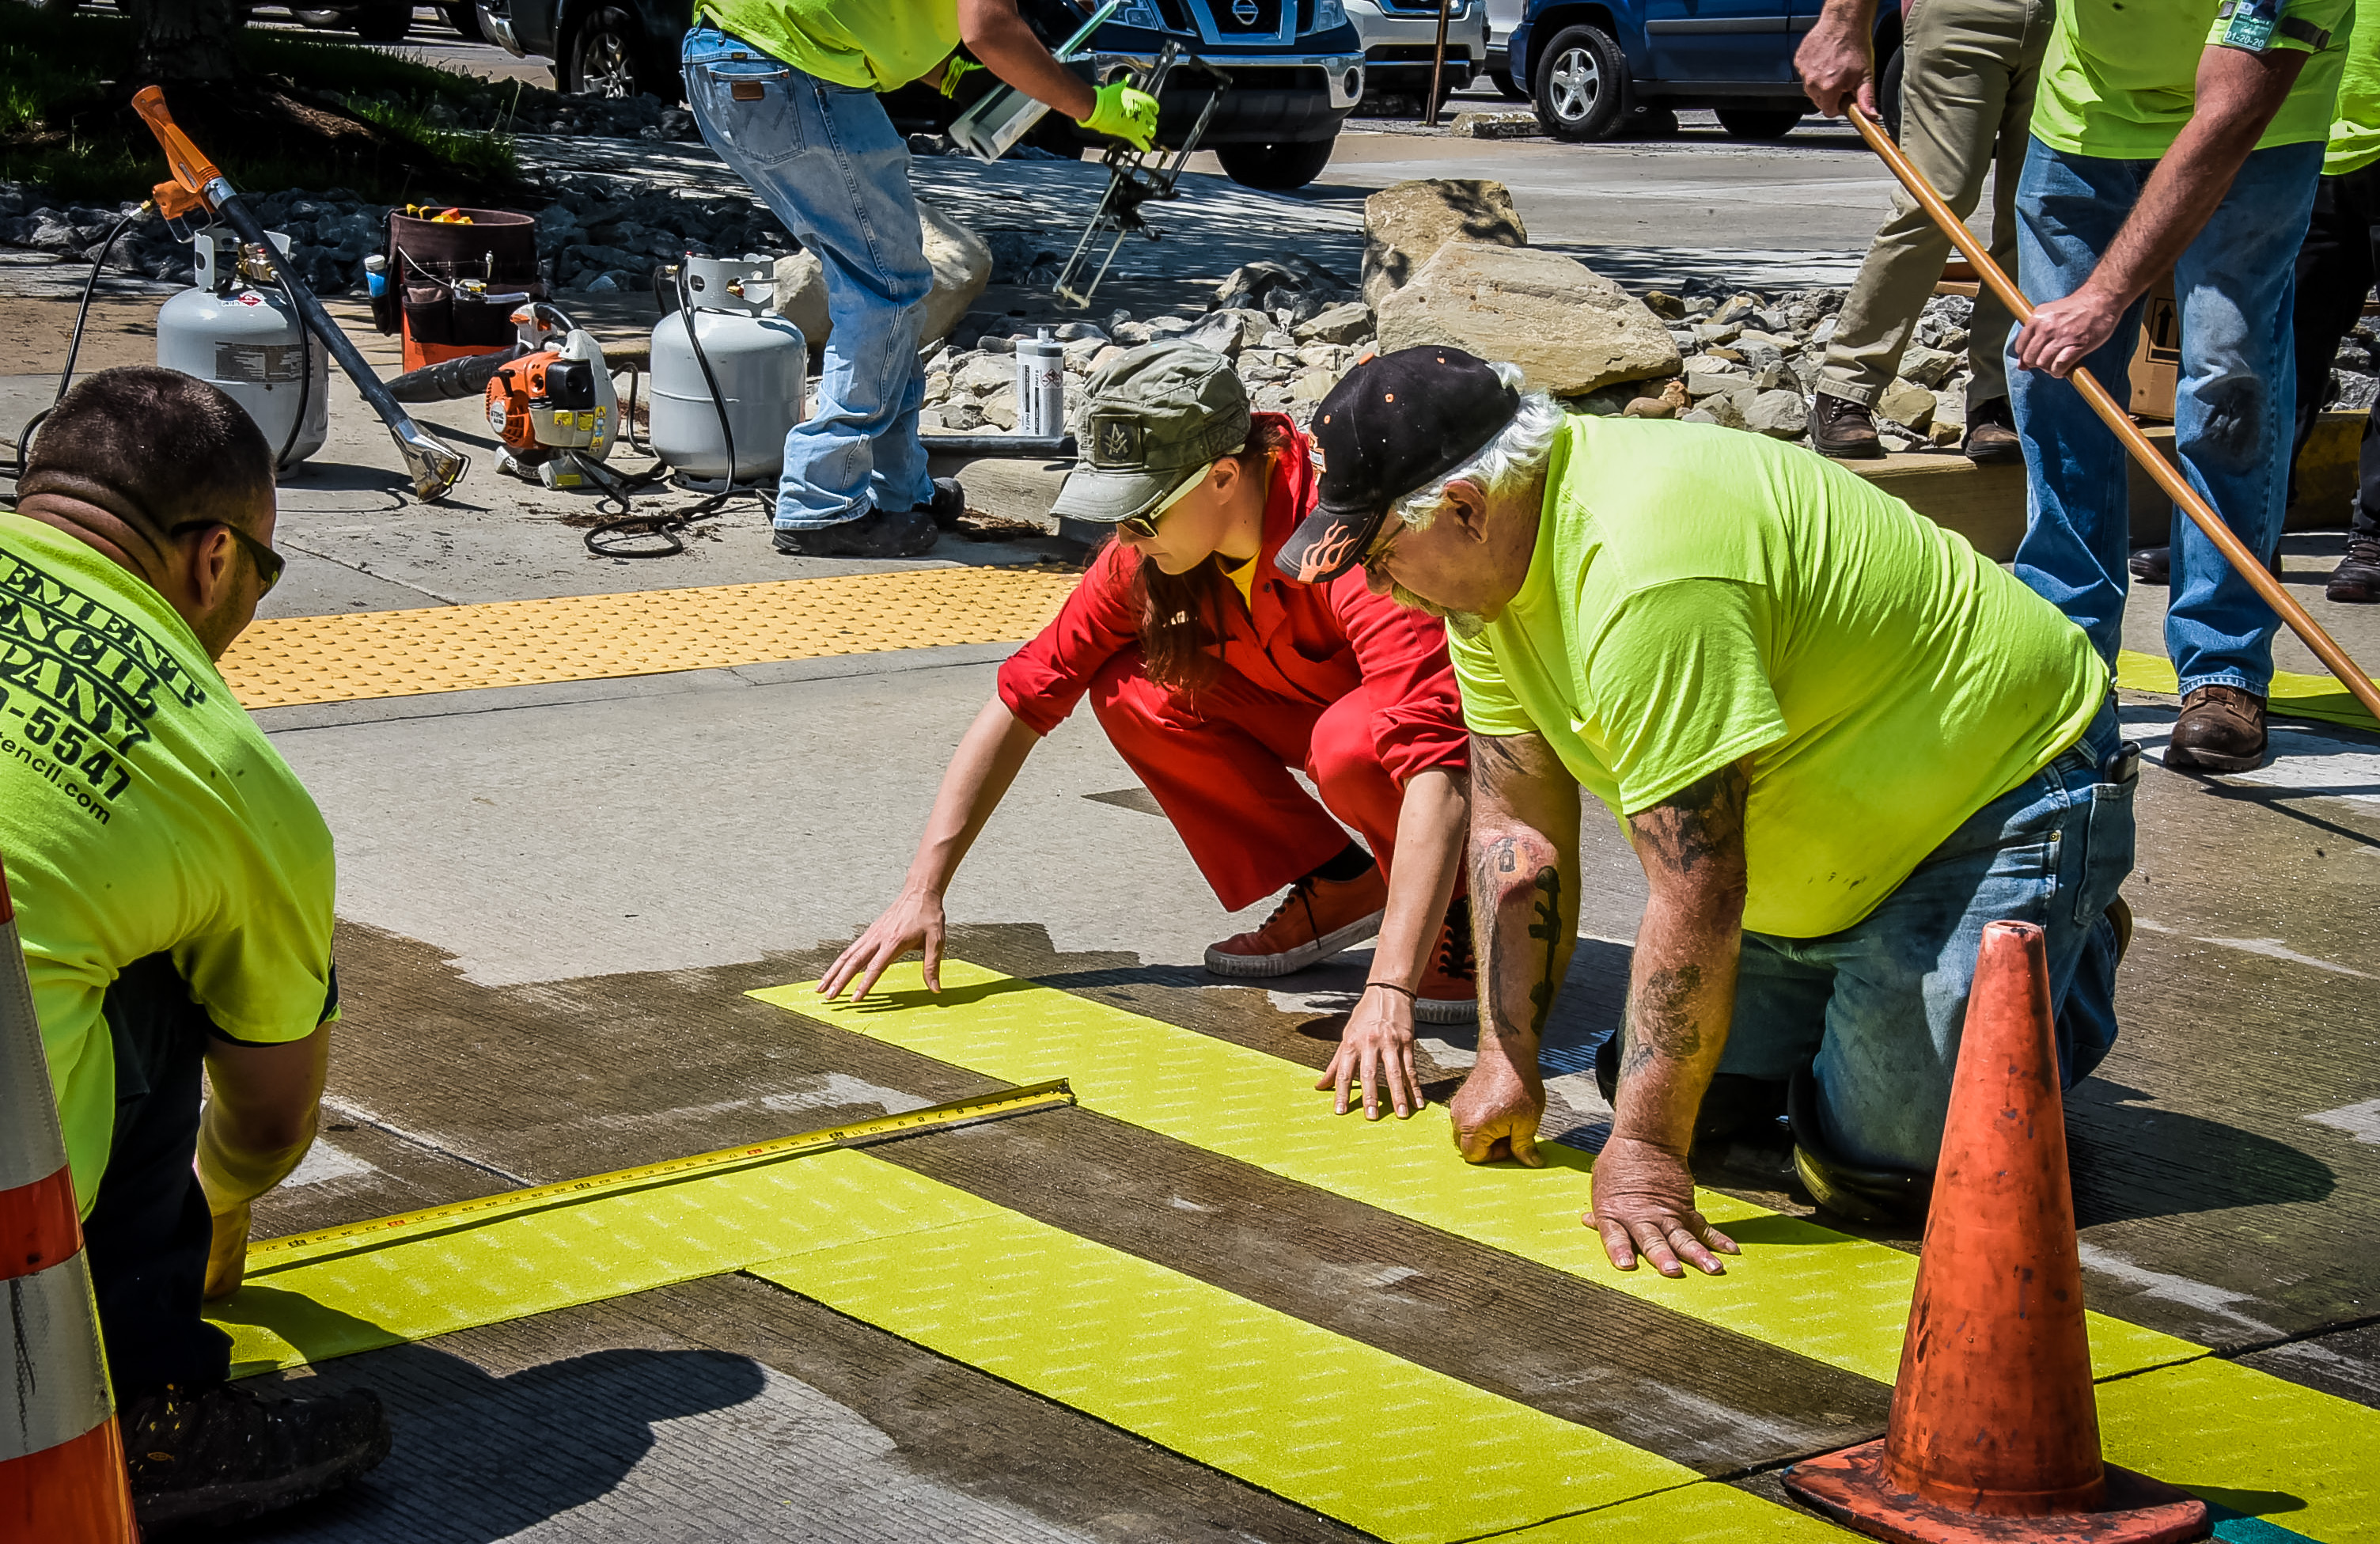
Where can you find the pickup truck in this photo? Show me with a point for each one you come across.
(1296, 68)
(1586, 65)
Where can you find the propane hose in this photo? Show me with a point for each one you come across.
(605, 536)
(16, 470)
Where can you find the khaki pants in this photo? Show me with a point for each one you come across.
(1966, 104)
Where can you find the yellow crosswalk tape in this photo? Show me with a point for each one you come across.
(314, 1297)
(1800, 1287)
(1406, 1454)
(1821, 1293)
(279, 662)
(2292, 695)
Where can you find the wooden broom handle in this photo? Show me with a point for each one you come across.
(2168, 477)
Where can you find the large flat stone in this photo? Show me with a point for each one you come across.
(1569, 330)
(1405, 226)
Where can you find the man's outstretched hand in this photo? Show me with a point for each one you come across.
(1645, 1205)
(1496, 1114)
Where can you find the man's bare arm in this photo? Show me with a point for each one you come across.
(262, 1109)
(1680, 998)
(1837, 59)
(2239, 92)
(997, 35)
(1525, 922)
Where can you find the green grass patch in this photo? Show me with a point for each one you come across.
(63, 81)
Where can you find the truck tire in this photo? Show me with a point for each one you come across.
(1505, 87)
(1581, 90)
(1758, 123)
(1276, 168)
(464, 20)
(384, 23)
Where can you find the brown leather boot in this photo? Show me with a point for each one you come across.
(1991, 433)
(1845, 430)
(2221, 729)
(2357, 577)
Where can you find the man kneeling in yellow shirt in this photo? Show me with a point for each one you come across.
(1840, 741)
(173, 882)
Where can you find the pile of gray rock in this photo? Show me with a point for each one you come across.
(592, 234)
(605, 234)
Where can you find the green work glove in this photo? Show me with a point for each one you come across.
(1126, 113)
(955, 70)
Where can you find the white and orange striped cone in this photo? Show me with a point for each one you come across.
(62, 1478)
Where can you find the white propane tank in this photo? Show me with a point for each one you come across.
(234, 328)
(758, 358)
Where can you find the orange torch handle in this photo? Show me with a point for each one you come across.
(189, 165)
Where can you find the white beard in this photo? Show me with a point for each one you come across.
(1462, 623)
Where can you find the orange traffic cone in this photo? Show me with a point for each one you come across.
(1995, 1429)
(62, 1478)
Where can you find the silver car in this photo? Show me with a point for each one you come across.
(1401, 39)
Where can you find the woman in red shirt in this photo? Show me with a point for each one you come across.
(1215, 676)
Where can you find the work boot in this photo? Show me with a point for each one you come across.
(208, 1456)
(1991, 433)
(1449, 993)
(2221, 729)
(1845, 430)
(1314, 921)
(948, 503)
(877, 533)
(2152, 565)
(2357, 577)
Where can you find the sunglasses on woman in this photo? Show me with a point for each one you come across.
(1143, 528)
(268, 564)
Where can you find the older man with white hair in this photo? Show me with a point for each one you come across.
(1840, 741)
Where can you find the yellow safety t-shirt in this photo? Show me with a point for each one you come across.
(875, 44)
(2355, 130)
(142, 811)
(2120, 77)
(1699, 595)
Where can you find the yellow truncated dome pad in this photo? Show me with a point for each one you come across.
(279, 663)
(2310, 1461)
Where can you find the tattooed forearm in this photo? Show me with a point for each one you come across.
(1701, 823)
(1548, 927)
(1661, 1020)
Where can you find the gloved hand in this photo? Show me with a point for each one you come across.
(955, 70)
(1126, 113)
(227, 1254)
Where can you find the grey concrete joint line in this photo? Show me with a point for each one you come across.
(412, 1139)
(364, 568)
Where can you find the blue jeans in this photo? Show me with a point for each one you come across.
(2234, 410)
(1877, 1010)
(829, 164)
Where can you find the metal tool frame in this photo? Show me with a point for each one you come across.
(1132, 182)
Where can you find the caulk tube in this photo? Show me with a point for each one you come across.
(1003, 115)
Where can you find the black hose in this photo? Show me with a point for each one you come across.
(14, 471)
(718, 402)
(305, 360)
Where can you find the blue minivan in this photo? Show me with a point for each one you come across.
(1588, 64)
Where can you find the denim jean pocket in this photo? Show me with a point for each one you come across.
(749, 104)
(2108, 846)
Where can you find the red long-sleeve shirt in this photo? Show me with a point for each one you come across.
(1313, 643)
